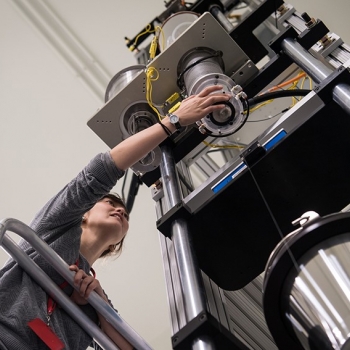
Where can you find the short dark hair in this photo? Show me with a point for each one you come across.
(119, 246)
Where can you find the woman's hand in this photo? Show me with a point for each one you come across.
(192, 109)
(86, 284)
(196, 107)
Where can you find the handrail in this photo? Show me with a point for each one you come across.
(60, 297)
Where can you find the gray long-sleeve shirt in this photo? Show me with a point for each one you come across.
(59, 224)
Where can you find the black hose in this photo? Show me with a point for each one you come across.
(277, 94)
(133, 190)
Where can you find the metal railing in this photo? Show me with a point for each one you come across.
(30, 267)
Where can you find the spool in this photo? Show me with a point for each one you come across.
(174, 26)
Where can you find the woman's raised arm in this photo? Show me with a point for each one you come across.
(192, 109)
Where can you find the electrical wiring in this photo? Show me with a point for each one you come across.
(303, 82)
(153, 46)
(147, 30)
(294, 81)
(287, 82)
(150, 77)
(260, 98)
(277, 94)
(155, 42)
(260, 105)
(215, 145)
(294, 87)
(266, 119)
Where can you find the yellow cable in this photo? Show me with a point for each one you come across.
(290, 81)
(251, 110)
(213, 145)
(150, 77)
(163, 36)
(147, 30)
(154, 43)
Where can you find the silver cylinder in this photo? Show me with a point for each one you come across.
(317, 70)
(193, 72)
(203, 67)
(319, 297)
(189, 273)
(122, 79)
(341, 95)
(306, 290)
(191, 282)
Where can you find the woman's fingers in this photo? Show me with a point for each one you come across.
(85, 282)
(209, 89)
(79, 277)
(86, 286)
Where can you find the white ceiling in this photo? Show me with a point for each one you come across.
(44, 142)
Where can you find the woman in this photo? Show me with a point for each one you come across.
(82, 223)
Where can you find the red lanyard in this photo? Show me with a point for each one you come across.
(42, 330)
(51, 304)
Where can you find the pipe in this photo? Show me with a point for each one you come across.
(189, 272)
(317, 70)
(40, 277)
(311, 65)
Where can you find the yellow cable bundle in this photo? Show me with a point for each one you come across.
(153, 48)
(155, 41)
(151, 75)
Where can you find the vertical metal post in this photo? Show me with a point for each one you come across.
(191, 281)
(317, 70)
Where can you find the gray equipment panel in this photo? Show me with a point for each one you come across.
(204, 32)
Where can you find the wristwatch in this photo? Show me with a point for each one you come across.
(174, 119)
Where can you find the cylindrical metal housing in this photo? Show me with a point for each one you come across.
(203, 67)
(307, 287)
(319, 297)
(122, 79)
(196, 64)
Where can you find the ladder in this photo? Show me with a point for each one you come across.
(40, 277)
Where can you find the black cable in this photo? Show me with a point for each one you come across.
(133, 190)
(124, 182)
(277, 94)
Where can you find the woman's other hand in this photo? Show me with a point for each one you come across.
(86, 284)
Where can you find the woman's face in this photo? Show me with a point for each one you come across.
(109, 216)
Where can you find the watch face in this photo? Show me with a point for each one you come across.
(173, 118)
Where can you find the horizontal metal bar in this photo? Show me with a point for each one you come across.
(60, 297)
(62, 268)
